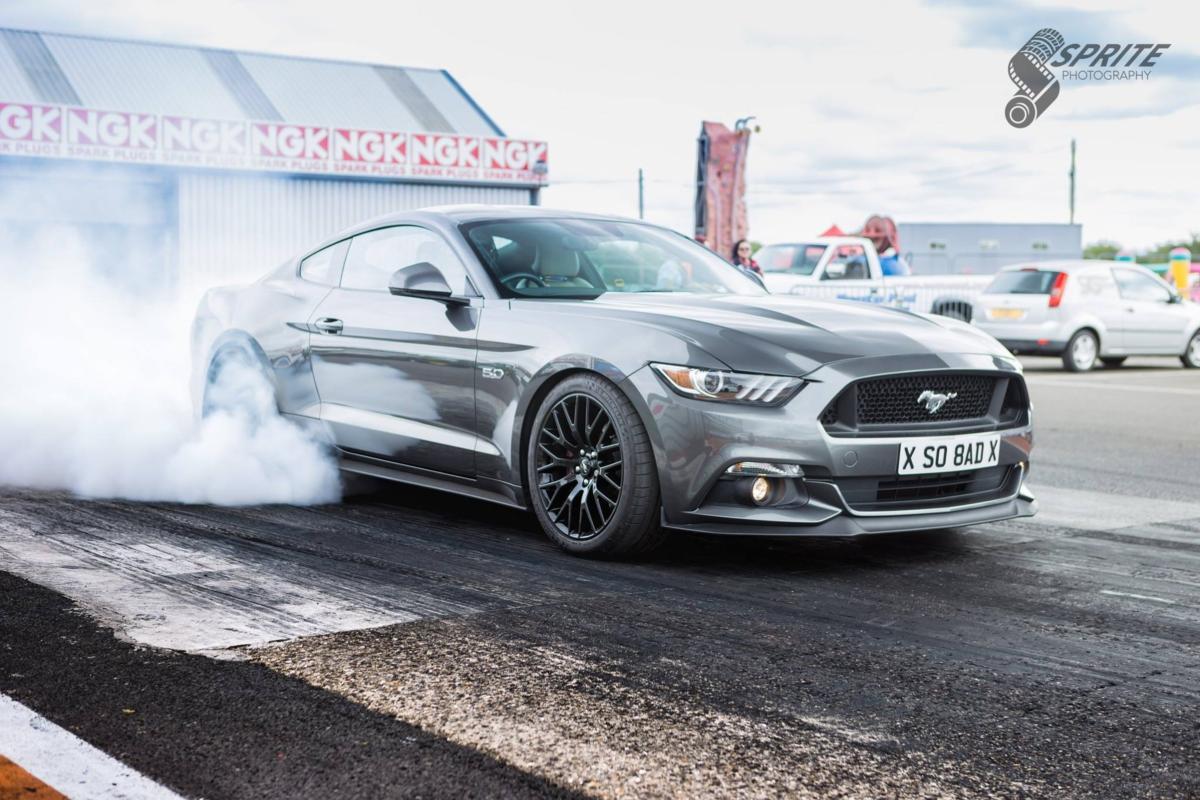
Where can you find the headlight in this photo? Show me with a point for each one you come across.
(734, 387)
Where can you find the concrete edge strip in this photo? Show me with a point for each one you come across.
(65, 762)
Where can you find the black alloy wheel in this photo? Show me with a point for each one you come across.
(591, 471)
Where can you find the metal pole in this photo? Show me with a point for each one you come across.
(1072, 181)
(641, 195)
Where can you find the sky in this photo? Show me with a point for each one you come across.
(891, 107)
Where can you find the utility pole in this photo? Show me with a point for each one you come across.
(641, 195)
(1072, 174)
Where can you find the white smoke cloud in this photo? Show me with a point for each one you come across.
(95, 396)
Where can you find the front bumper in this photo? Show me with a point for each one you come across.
(696, 441)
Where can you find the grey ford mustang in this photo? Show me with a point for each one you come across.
(618, 379)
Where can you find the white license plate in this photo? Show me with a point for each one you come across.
(931, 454)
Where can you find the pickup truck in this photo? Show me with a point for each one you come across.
(847, 268)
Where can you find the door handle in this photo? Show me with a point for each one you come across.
(328, 325)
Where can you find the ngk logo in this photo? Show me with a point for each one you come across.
(512, 154)
(289, 141)
(111, 128)
(435, 150)
(30, 123)
(373, 147)
(203, 136)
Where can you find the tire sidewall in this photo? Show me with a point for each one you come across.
(1186, 358)
(1069, 357)
(236, 354)
(610, 398)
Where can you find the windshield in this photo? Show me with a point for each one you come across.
(548, 257)
(796, 259)
(1022, 282)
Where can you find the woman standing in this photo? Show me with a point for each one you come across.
(741, 257)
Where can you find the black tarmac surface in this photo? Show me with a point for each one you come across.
(1023, 659)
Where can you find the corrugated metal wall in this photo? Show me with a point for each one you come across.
(234, 228)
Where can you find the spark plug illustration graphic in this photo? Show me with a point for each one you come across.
(1036, 85)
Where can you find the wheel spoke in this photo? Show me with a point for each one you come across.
(577, 484)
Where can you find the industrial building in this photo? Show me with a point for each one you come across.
(981, 248)
(200, 166)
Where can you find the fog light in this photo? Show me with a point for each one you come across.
(760, 490)
(747, 469)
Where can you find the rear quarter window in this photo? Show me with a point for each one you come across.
(1022, 282)
(324, 266)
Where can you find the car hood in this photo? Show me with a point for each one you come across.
(791, 335)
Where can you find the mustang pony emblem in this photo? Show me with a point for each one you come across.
(935, 400)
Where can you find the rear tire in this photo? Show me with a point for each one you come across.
(590, 471)
(1112, 362)
(1191, 356)
(236, 382)
(1081, 352)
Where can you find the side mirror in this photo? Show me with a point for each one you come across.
(835, 270)
(426, 281)
(1175, 298)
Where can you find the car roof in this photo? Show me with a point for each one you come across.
(1078, 265)
(450, 216)
(825, 240)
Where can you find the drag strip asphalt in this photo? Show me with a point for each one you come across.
(399, 644)
(217, 728)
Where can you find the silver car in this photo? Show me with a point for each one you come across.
(1089, 312)
(618, 379)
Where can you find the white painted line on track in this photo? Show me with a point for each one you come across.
(1132, 596)
(1105, 511)
(66, 763)
(195, 594)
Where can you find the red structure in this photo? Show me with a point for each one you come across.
(721, 186)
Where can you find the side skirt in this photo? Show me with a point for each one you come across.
(491, 491)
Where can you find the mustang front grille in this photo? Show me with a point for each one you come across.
(888, 401)
(928, 402)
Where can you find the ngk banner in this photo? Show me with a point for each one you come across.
(55, 131)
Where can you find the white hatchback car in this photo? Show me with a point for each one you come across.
(1089, 311)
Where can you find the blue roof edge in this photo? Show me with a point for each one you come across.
(474, 105)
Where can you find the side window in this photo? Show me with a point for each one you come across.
(1136, 286)
(325, 265)
(376, 255)
(849, 262)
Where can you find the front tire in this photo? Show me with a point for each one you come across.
(1191, 356)
(1081, 352)
(590, 471)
